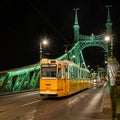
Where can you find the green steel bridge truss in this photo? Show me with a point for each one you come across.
(26, 78)
(75, 54)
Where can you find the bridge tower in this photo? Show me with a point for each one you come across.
(83, 41)
(109, 31)
(76, 26)
(108, 22)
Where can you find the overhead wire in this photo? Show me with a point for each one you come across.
(51, 26)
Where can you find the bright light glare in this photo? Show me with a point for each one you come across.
(107, 38)
(105, 62)
(88, 66)
(73, 56)
(83, 63)
(45, 42)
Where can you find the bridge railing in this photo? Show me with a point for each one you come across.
(114, 83)
(20, 79)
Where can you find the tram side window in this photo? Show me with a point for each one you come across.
(71, 72)
(88, 75)
(65, 72)
(75, 72)
(81, 74)
(84, 75)
(78, 73)
(59, 73)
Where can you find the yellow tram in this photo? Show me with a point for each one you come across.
(62, 77)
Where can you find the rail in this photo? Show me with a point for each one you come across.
(20, 79)
(114, 85)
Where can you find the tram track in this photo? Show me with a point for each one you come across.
(32, 105)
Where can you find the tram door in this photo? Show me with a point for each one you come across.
(65, 78)
(61, 78)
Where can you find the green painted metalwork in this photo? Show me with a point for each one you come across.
(35, 80)
(3, 82)
(93, 41)
(117, 96)
(108, 22)
(76, 27)
(114, 79)
(83, 41)
(25, 78)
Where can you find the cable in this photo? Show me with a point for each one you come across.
(36, 9)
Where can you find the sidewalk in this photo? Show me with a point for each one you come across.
(107, 111)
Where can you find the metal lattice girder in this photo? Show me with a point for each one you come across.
(99, 43)
(18, 79)
(37, 79)
(34, 82)
(75, 51)
(93, 40)
(3, 82)
(2, 78)
(85, 41)
(92, 37)
(23, 70)
(8, 86)
(19, 82)
(26, 81)
(62, 57)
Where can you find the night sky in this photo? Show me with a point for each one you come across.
(23, 22)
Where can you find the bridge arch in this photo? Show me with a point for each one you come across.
(96, 43)
(83, 41)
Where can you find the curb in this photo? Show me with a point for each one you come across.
(107, 105)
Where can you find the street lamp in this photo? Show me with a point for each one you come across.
(109, 38)
(43, 41)
(88, 66)
(111, 47)
(73, 58)
(105, 62)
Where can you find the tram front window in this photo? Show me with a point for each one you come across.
(48, 71)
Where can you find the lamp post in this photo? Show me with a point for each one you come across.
(109, 38)
(42, 42)
(73, 58)
(111, 47)
(40, 50)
